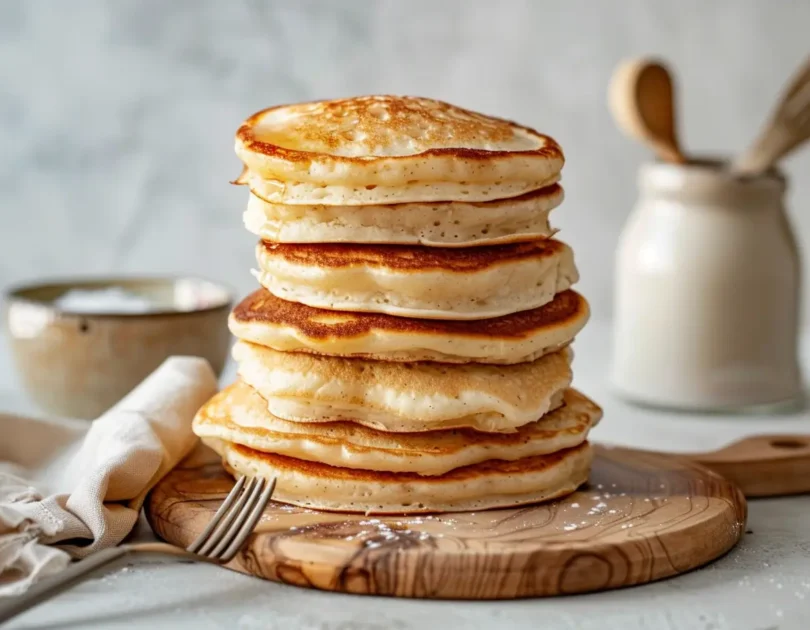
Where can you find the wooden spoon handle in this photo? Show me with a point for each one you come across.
(788, 127)
(769, 148)
(764, 465)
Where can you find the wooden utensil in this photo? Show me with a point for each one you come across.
(640, 96)
(788, 127)
(642, 517)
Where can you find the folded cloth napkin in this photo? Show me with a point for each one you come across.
(69, 488)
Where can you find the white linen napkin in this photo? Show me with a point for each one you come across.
(69, 488)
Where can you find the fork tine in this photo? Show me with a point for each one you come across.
(225, 524)
(236, 524)
(226, 504)
(249, 525)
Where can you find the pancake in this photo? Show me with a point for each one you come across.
(264, 319)
(390, 149)
(433, 224)
(469, 283)
(488, 485)
(404, 397)
(239, 415)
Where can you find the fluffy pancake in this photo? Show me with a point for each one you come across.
(404, 397)
(264, 319)
(436, 224)
(390, 149)
(469, 283)
(239, 415)
(490, 484)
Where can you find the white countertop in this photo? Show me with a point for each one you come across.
(763, 584)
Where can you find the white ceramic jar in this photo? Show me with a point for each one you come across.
(707, 292)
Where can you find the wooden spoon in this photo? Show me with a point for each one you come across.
(788, 127)
(640, 98)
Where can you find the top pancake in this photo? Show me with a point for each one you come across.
(390, 149)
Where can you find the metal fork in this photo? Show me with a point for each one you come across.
(219, 542)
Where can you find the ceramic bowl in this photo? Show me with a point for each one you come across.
(78, 356)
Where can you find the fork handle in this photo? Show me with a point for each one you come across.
(44, 590)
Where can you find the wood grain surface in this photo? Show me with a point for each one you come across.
(763, 465)
(642, 517)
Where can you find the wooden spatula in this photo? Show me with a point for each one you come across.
(788, 127)
(641, 100)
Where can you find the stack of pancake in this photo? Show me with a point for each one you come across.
(409, 348)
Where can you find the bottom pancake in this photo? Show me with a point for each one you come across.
(488, 485)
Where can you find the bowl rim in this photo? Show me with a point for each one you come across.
(14, 293)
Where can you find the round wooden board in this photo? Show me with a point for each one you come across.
(642, 517)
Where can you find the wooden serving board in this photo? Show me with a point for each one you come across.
(642, 517)
(763, 465)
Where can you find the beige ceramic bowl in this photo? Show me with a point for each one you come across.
(78, 359)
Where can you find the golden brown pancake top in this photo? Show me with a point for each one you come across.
(411, 257)
(437, 128)
(526, 465)
(263, 307)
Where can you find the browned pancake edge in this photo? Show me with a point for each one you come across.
(262, 307)
(410, 257)
(527, 465)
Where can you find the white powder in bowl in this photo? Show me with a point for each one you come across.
(112, 300)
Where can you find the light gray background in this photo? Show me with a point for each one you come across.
(116, 118)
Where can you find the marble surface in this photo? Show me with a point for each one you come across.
(763, 584)
(117, 118)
